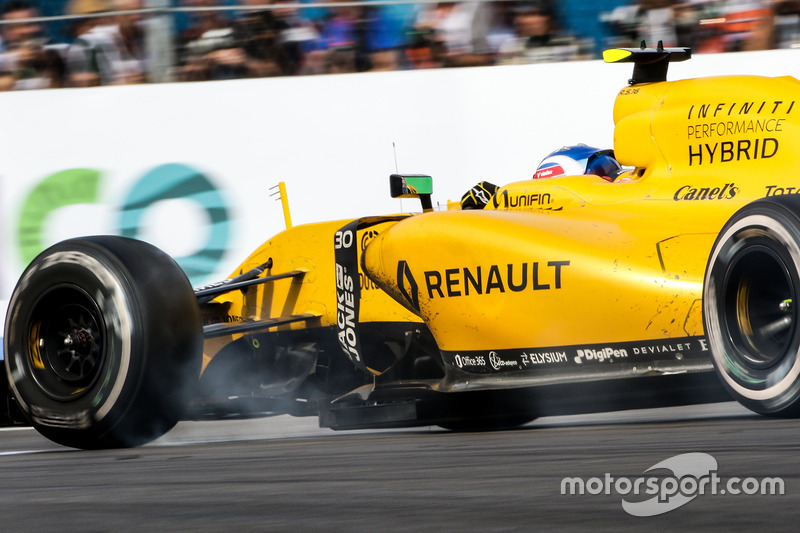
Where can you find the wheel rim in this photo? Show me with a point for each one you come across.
(758, 311)
(66, 343)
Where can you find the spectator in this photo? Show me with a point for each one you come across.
(344, 37)
(284, 41)
(502, 29)
(26, 60)
(387, 34)
(258, 43)
(422, 51)
(458, 32)
(205, 32)
(787, 23)
(275, 38)
(13, 36)
(131, 30)
(728, 25)
(749, 25)
(253, 49)
(97, 55)
(538, 39)
(623, 24)
(298, 36)
(657, 22)
(688, 30)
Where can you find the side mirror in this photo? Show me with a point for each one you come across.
(412, 186)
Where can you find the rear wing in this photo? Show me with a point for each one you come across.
(649, 64)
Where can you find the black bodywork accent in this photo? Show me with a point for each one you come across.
(650, 64)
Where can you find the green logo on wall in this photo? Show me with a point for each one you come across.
(165, 182)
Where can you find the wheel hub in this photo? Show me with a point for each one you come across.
(762, 320)
(77, 358)
(67, 343)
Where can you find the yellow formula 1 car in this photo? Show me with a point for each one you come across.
(669, 279)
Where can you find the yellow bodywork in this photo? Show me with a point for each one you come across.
(563, 261)
(577, 260)
(310, 249)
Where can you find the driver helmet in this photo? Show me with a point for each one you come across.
(577, 160)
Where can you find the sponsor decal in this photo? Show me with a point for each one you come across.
(543, 358)
(774, 190)
(498, 362)
(532, 200)
(667, 348)
(366, 237)
(601, 354)
(647, 350)
(564, 357)
(688, 192)
(727, 151)
(466, 361)
(739, 127)
(775, 107)
(454, 282)
(347, 243)
(407, 284)
(346, 311)
(726, 119)
(347, 291)
(553, 170)
(365, 283)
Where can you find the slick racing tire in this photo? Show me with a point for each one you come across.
(751, 294)
(103, 342)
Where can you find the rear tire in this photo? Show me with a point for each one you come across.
(750, 306)
(103, 342)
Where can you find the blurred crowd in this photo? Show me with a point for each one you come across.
(111, 42)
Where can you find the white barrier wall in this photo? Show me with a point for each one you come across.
(189, 166)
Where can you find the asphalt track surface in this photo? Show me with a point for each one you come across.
(286, 474)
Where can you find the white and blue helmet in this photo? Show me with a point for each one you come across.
(577, 160)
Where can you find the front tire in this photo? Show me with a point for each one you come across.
(750, 306)
(103, 342)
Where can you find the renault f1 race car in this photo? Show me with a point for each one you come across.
(671, 280)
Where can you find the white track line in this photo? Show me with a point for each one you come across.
(23, 452)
